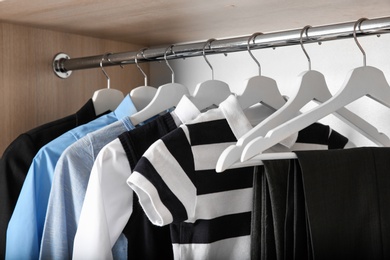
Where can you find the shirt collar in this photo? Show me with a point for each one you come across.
(235, 116)
(185, 111)
(125, 108)
(86, 113)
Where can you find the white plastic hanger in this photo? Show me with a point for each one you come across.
(258, 89)
(166, 97)
(210, 92)
(362, 81)
(106, 99)
(312, 87)
(142, 95)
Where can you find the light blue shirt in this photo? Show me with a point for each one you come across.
(68, 190)
(25, 228)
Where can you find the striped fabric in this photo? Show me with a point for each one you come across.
(176, 182)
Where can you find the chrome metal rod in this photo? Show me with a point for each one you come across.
(267, 40)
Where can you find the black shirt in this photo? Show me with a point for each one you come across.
(18, 157)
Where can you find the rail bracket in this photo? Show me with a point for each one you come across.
(58, 66)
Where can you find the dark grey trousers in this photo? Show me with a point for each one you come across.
(331, 204)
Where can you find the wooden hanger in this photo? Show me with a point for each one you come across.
(167, 96)
(362, 81)
(210, 92)
(106, 99)
(142, 95)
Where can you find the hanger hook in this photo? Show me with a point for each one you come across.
(105, 55)
(143, 54)
(140, 69)
(209, 41)
(115, 63)
(253, 37)
(359, 23)
(304, 30)
(166, 61)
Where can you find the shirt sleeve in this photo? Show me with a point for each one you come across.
(26, 224)
(107, 205)
(13, 169)
(70, 180)
(164, 180)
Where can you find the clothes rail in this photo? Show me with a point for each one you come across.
(63, 65)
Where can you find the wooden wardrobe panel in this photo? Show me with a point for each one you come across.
(31, 94)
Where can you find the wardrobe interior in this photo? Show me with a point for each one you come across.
(31, 94)
(32, 33)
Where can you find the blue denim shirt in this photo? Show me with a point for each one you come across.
(68, 190)
(25, 228)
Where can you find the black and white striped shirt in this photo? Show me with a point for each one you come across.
(176, 182)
